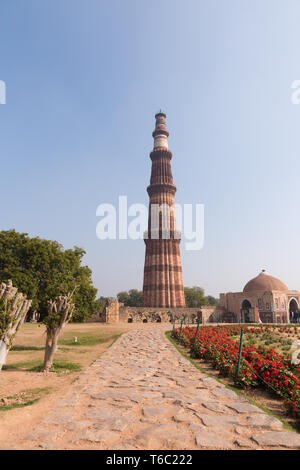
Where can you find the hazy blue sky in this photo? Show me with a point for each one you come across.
(84, 79)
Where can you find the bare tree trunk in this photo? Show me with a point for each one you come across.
(33, 317)
(13, 310)
(3, 353)
(51, 347)
(60, 312)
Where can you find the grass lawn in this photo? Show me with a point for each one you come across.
(78, 346)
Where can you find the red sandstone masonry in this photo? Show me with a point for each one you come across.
(163, 286)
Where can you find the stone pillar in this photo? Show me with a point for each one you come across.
(112, 311)
(256, 315)
(163, 285)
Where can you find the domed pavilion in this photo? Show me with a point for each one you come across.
(264, 299)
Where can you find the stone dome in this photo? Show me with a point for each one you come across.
(264, 282)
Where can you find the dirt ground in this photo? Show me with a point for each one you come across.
(18, 381)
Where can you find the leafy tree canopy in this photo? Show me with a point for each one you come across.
(194, 297)
(132, 298)
(99, 305)
(42, 270)
(212, 300)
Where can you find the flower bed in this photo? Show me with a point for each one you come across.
(259, 366)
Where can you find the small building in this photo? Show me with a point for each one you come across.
(264, 299)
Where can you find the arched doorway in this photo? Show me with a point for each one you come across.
(247, 315)
(145, 320)
(130, 320)
(293, 311)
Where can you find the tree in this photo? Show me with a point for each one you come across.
(13, 309)
(212, 300)
(60, 312)
(194, 297)
(136, 297)
(99, 305)
(124, 298)
(132, 298)
(84, 296)
(43, 270)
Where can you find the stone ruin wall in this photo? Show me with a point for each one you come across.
(116, 312)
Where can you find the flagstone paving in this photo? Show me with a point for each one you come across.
(142, 394)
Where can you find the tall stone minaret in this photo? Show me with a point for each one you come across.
(163, 285)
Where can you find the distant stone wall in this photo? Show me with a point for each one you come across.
(116, 312)
(111, 312)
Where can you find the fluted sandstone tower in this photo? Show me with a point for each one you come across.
(163, 285)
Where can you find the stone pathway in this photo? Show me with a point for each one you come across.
(142, 394)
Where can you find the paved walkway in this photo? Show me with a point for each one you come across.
(142, 394)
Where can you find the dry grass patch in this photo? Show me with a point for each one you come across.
(24, 398)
